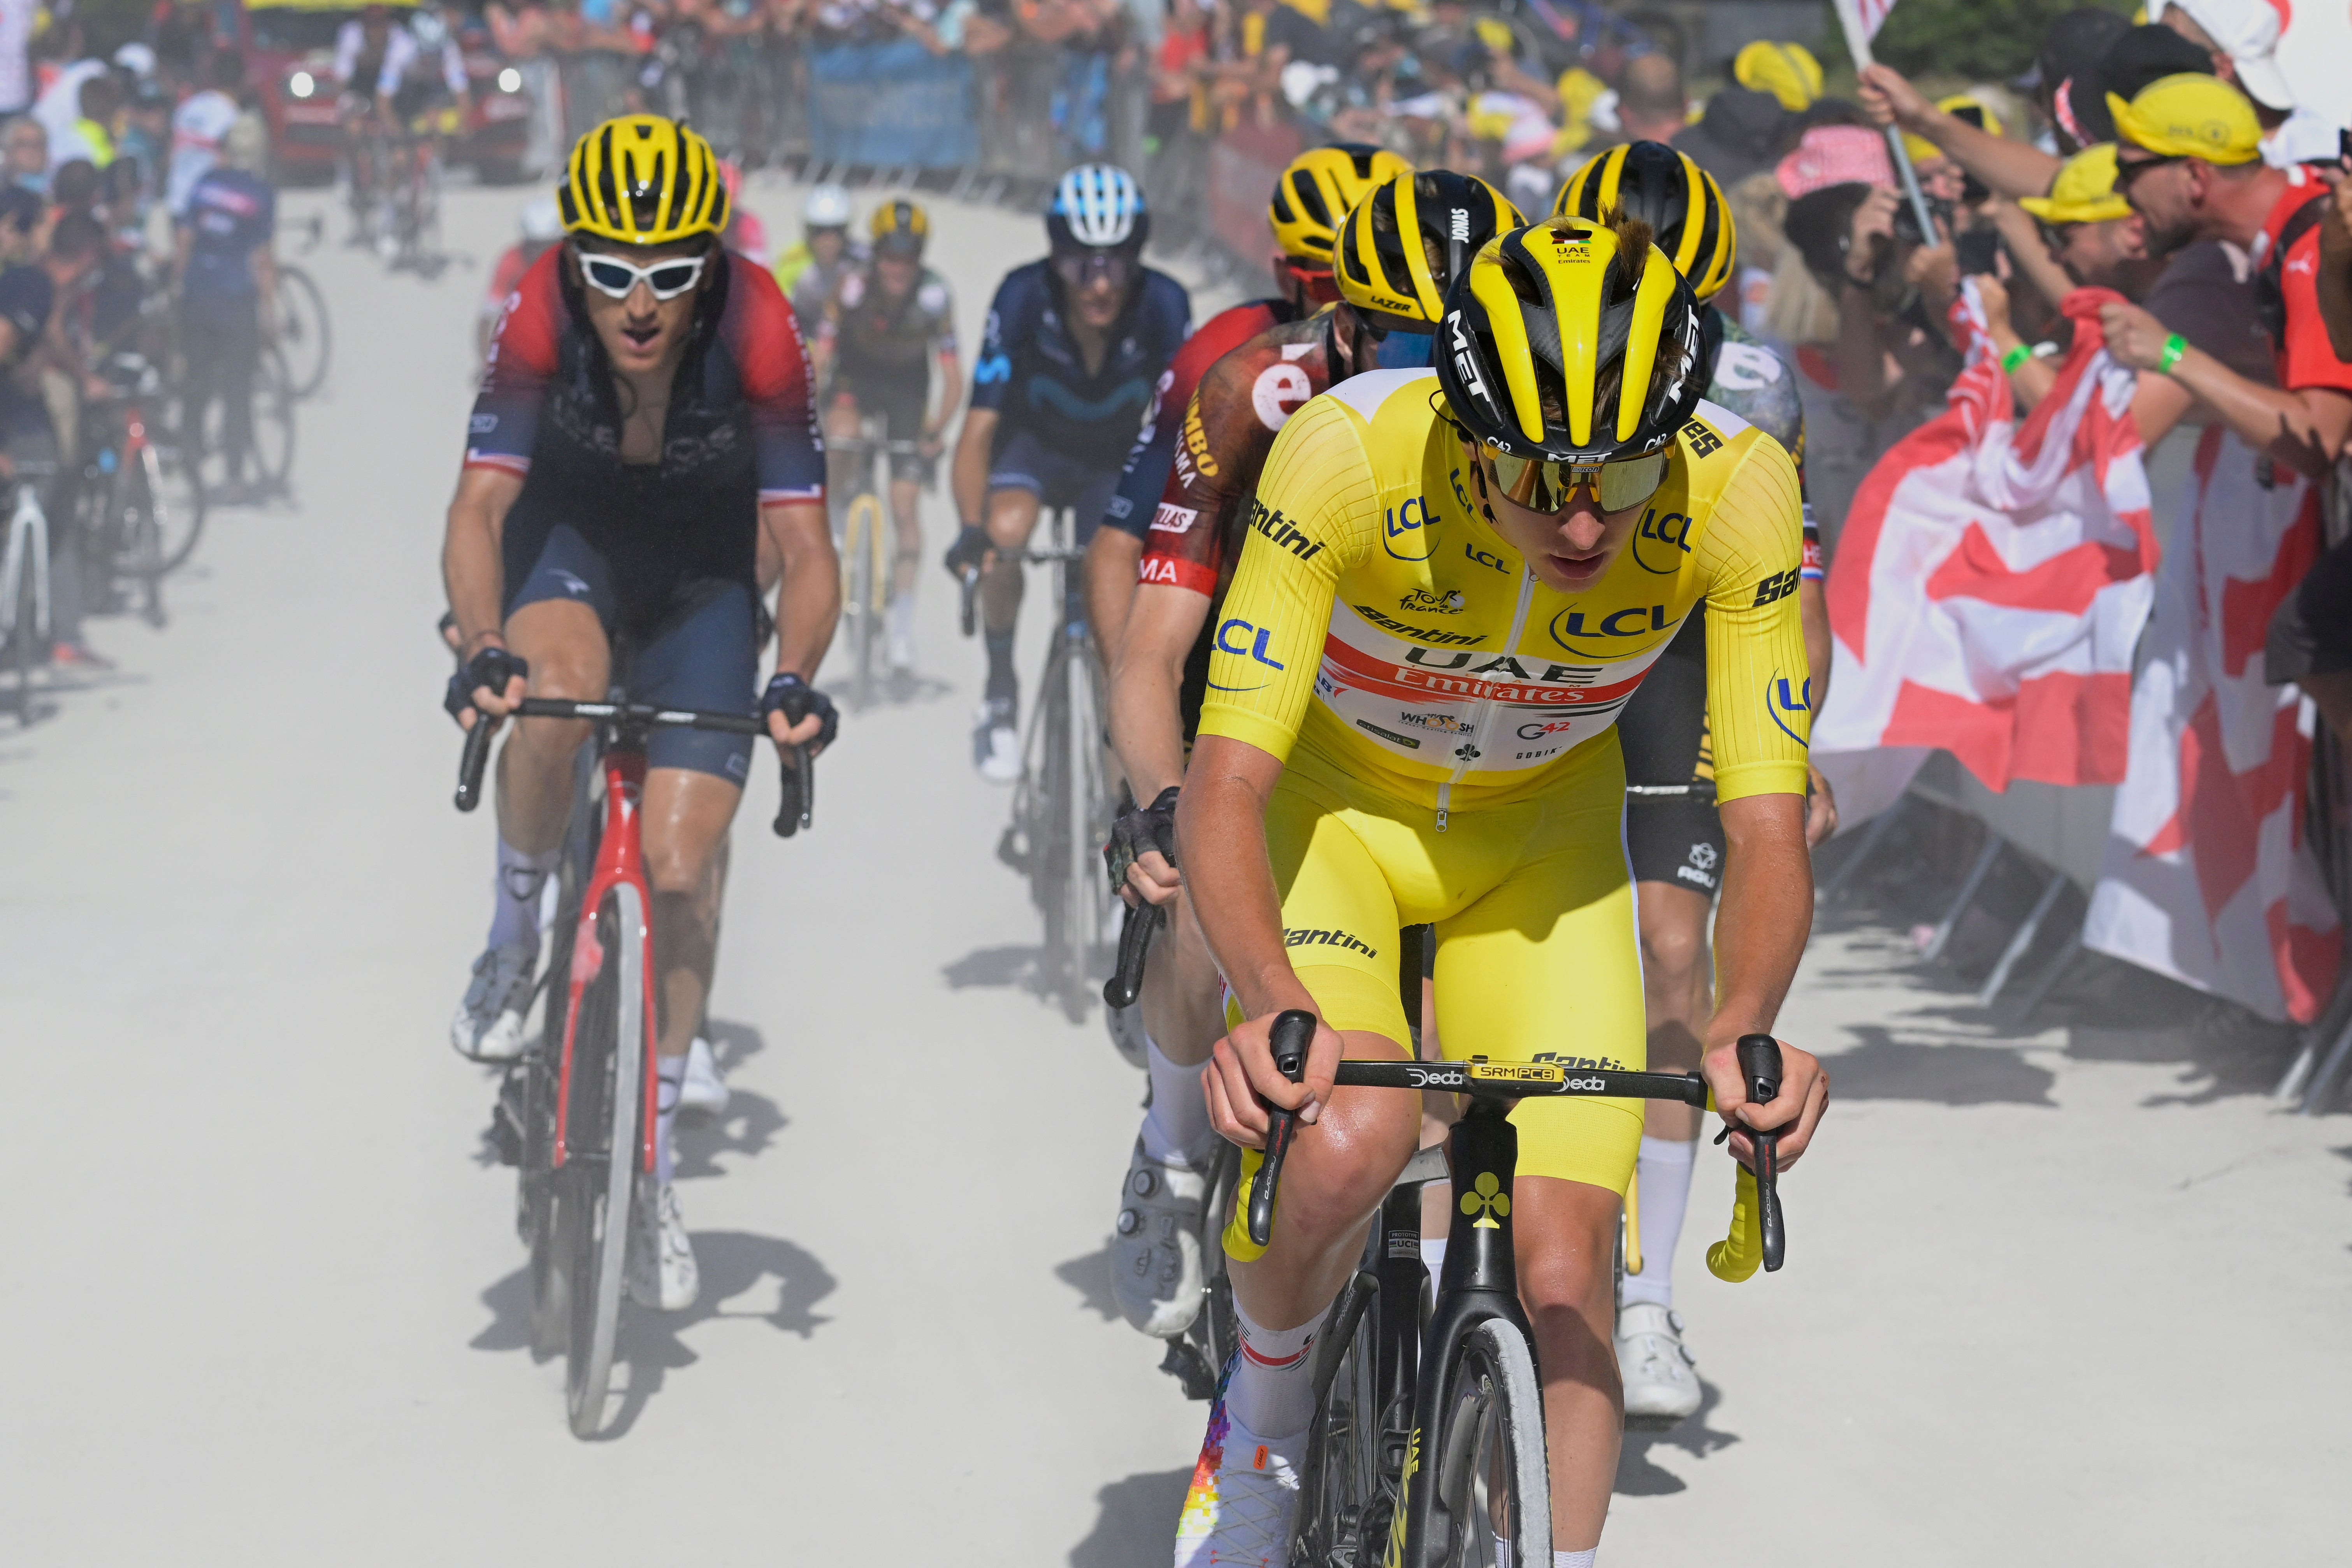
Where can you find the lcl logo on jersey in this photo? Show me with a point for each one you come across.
(1791, 706)
(1633, 621)
(1668, 538)
(1246, 648)
(1406, 530)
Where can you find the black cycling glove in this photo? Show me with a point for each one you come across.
(493, 667)
(796, 698)
(1140, 831)
(971, 547)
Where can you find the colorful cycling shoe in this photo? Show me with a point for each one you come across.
(489, 1022)
(704, 1087)
(995, 743)
(1243, 1500)
(662, 1272)
(1661, 1376)
(1155, 1245)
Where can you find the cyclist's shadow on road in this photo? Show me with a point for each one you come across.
(1137, 1527)
(1639, 1476)
(750, 1122)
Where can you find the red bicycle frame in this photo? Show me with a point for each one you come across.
(620, 863)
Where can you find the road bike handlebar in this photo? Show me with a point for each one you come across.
(1756, 1235)
(793, 814)
(1704, 792)
(868, 444)
(1136, 930)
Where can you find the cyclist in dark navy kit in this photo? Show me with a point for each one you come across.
(643, 460)
(1075, 345)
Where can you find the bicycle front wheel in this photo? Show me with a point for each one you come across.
(273, 420)
(1492, 1478)
(302, 332)
(607, 1101)
(860, 584)
(175, 500)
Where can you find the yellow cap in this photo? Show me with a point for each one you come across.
(2084, 191)
(2190, 116)
(1788, 71)
(1922, 150)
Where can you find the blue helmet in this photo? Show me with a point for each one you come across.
(1097, 206)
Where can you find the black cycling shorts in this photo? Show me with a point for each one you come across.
(1663, 734)
(700, 649)
(1023, 462)
(899, 404)
(2311, 631)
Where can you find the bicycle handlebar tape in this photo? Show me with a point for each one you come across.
(474, 762)
(798, 801)
(1293, 1032)
(1135, 934)
(1734, 1258)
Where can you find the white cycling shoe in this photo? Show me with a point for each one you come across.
(662, 1272)
(1155, 1245)
(1239, 1510)
(704, 1089)
(489, 1022)
(995, 743)
(1660, 1374)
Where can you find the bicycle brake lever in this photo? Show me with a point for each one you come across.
(474, 762)
(1759, 1065)
(970, 599)
(798, 802)
(1135, 933)
(1293, 1032)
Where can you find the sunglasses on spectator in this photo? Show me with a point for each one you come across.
(2125, 173)
(667, 280)
(1540, 484)
(1093, 267)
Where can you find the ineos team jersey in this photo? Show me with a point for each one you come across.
(1379, 619)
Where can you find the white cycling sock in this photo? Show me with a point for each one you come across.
(1433, 1257)
(1270, 1391)
(1501, 1551)
(514, 919)
(1176, 1129)
(902, 616)
(671, 1071)
(1583, 1558)
(1665, 1174)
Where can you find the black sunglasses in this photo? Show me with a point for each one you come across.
(2125, 173)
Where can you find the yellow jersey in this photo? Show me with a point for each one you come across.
(1377, 619)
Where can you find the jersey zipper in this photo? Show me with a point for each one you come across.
(1485, 710)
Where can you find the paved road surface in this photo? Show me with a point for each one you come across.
(2074, 1297)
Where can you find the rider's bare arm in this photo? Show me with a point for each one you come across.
(969, 479)
(801, 537)
(471, 567)
(950, 394)
(1111, 556)
(1760, 934)
(1147, 726)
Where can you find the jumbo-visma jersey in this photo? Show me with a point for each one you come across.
(1379, 619)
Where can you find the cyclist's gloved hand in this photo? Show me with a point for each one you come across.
(796, 698)
(492, 668)
(969, 549)
(1146, 829)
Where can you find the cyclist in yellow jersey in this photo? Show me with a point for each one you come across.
(1452, 584)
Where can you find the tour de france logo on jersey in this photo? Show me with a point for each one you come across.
(1790, 704)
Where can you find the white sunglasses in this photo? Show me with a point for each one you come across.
(667, 280)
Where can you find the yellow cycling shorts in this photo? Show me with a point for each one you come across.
(1537, 955)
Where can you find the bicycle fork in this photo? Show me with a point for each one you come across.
(619, 871)
(28, 550)
(1480, 1281)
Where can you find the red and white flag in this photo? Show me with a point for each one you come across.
(2208, 876)
(1993, 578)
(1868, 16)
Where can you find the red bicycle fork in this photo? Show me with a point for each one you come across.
(620, 862)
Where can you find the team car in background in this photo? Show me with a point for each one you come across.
(290, 51)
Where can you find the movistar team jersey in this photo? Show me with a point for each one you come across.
(1031, 371)
(1379, 619)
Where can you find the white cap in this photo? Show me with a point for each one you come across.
(137, 58)
(2248, 32)
(541, 224)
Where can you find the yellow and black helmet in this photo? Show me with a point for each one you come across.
(1312, 197)
(902, 227)
(1680, 201)
(642, 179)
(1569, 339)
(1403, 242)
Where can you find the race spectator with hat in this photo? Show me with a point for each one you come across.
(2241, 39)
(2190, 163)
(1788, 71)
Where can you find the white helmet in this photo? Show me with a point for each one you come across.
(1097, 205)
(827, 207)
(541, 224)
(428, 28)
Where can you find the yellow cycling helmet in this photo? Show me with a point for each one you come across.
(642, 179)
(1680, 201)
(1312, 196)
(901, 225)
(1572, 341)
(1402, 243)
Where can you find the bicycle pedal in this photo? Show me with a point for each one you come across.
(1185, 1363)
(1013, 851)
